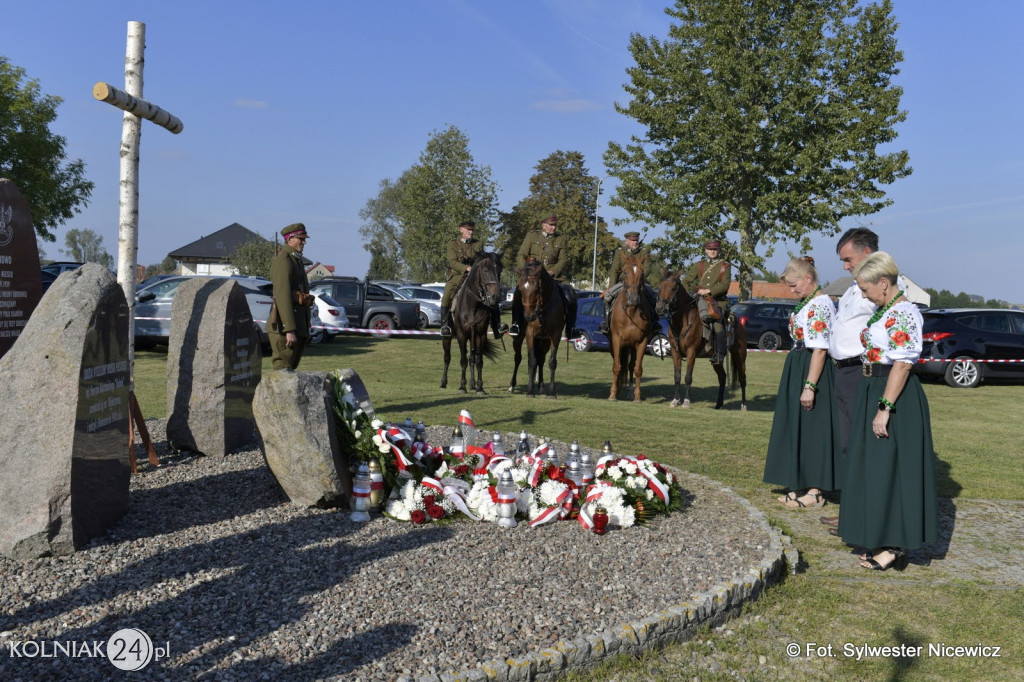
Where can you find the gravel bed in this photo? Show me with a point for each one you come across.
(213, 561)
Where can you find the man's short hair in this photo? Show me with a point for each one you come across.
(861, 237)
(468, 223)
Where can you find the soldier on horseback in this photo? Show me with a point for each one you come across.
(548, 247)
(630, 247)
(708, 281)
(462, 251)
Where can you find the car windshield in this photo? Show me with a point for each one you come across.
(326, 298)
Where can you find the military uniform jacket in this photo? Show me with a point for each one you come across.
(461, 255)
(619, 262)
(289, 276)
(713, 275)
(550, 251)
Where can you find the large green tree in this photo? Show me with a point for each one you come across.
(412, 218)
(254, 257)
(33, 157)
(764, 122)
(85, 246)
(563, 186)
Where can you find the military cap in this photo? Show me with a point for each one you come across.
(294, 230)
(550, 220)
(713, 244)
(632, 235)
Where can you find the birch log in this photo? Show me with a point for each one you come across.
(105, 92)
(128, 227)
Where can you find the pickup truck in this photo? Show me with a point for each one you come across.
(368, 305)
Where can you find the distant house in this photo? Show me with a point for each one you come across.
(914, 293)
(764, 290)
(318, 271)
(211, 255)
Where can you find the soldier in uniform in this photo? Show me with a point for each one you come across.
(462, 251)
(548, 247)
(630, 247)
(289, 319)
(710, 276)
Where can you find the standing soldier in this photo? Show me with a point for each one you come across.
(630, 247)
(548, 247)
(708, 279)
(289, 319)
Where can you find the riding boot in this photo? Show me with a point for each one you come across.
(496, 324)
(446, 331)
(719, 343)
(603, 328)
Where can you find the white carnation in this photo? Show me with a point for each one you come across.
(615, 473)
(550, 491)
(629, 466)
(623, 517)
(650, 494)
(398, 509)
(376, 423)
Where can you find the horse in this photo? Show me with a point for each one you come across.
(474, 302)
(632, 324)
(546, 320)
(686, 337)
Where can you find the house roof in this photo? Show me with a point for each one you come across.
(218, 246)
(914, 293)
(318, 264)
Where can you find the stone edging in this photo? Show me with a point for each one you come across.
(675, 624)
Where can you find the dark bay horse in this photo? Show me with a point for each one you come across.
(547, 319)
(472, 306)
(632, 324)
(686, 337)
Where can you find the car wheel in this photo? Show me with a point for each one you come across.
(583, 342)
(769, 341)
(424, 320)
(382, 323)
(963, 373)
(660, 346)
(317, 336)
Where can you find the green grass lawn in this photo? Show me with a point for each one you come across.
(977, 438)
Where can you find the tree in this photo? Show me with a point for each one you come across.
(763, 119)
(563, 186)
(416, 215)
(168, 266)
(254, 257)
(33, 157)
(85, 246)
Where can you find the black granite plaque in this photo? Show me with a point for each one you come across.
(243, 364)
(100, 466)
(20, 277)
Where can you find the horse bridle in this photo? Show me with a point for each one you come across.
(670, 305)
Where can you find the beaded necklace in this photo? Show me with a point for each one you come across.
(882, 311)
(804, 302)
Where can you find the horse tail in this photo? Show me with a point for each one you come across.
(488, 349)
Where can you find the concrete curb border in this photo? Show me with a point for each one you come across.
(674, 624)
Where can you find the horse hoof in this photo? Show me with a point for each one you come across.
(480, 391)
(686, 404)
(743, 408)
(613, 398)
(674, 403)
(462, 390)
(444, 384)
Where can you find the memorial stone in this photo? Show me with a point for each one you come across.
(64, 386)
(295, 417)
(214, 363)
(20, 279)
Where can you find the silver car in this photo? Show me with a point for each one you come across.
(430, 313)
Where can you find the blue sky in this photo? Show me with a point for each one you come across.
(296, 112)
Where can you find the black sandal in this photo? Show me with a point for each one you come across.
(899, 560)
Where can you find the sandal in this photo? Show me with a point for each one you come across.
(898, 562)
(789, 497)
(818, 501)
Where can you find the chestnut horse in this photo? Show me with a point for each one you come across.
(546, 319)
(472, 306)
(686, 337)
(632, 324)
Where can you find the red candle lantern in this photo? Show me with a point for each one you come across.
(600, 520)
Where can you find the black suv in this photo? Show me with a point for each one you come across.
(955, 338)
(767, 323)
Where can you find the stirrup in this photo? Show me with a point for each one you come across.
(513, 330)
(604, 328)
(446, 330)
(502, 329)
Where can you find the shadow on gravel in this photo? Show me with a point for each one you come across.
(213, 624)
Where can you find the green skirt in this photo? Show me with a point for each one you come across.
(889, 494)
(805, 449)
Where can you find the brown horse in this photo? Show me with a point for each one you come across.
(546, 319)
(686, 337)
(632, 324)
(475, 301)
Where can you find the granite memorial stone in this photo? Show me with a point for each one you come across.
(64, 386)
(214, 364)
(20, 281)
(295, 418)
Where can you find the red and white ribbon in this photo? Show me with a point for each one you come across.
(455, 491)
(466, 418)
(540, 451)
(555, 512)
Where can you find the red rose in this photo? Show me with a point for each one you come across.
(810, 313)
(428, 500)
(418, 516)
(799, 333)
(900, 337)
(435, 511)
(462, 470)
(819, 326)
(890, 322)
(874, 355)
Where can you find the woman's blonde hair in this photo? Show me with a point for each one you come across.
(799, 267)
(876, 266)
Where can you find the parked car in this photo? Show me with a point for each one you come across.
(423, 293)
(430, 313)
(590, 312)
(60, 267)
(153, 307)
(369, 305)
(767, 323)
(506, 299)
(965, 334)
(330, 318)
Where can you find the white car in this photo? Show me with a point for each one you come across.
(329, 318)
